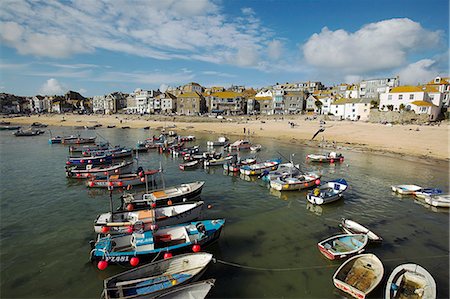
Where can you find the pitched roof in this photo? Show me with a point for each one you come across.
(263, 98)
(227, 94)
(422, 103)
(406, 88)
(189, 95)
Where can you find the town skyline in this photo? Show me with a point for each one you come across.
(96, 48)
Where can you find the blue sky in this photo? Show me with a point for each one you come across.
(96, 47)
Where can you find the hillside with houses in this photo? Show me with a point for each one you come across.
(362, 101)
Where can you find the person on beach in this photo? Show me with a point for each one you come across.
(244, 130)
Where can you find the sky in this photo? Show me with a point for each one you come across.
(97, 47)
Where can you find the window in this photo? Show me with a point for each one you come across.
(389, 97)
(400, 97)
(353, 110)
(411, 96)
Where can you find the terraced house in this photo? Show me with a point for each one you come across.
(191, 103)
(228, 103)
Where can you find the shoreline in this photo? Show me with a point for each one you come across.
(424, 142)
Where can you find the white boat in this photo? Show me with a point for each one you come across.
(328, 192)
(143, 219)
(194, 290)
(259, 168)
(158, 277)
(329, 157)
(405, 189)
(221, 141)
(359, 275)
(239, 145)
(441, 201)
(353, 227)
(410, 281)
(256, 147)
(344, 245)
(219, 161)
(427, 192)
(285, 169)
(297, 182)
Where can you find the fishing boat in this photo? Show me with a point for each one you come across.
(101, 152)
(89, 170)
(427, 192)
(219, 161)
(28, 133)
(328, 157)
(128, 221)
(89, 160)
(115, 153)
(258, 168)
(236, 166)
(121, 180)
(256, 147)
(344, 245)
(327, 192)
(186, 138)
(149, 245)
(359, 275)
(78, 140)
(189, 165)
(296, 182)
(353, 227)
(441, 201)
(410, 281)
(239, 145)
(58, 139)
(157, 278)
(285, 169)
(406, 189)
(39, 125)
(162, 197)
(84, 148)
(221, 141)
(193, 290)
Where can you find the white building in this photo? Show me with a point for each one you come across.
(38, 104)
(144, 102)
(372, 88)
(351, 109)
(443, 86)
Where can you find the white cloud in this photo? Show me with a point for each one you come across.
(275, 49)
(376, 46)
(163, 87)
(82, 91)
(52, 87)
(153, 78)
(418, 72)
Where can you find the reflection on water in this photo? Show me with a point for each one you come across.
(47, 256)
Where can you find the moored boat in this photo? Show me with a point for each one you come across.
(441, 201)
(189, 165)
(236, 166)
(78, 140)
(256, 147)
(28, 133)
(427, 192)
(84, 148)
(155, 279)
(359, 275)
(121, 180)
(284, 169)
(410, 281)
(344, 245)
(221, 141)
(405, 189)
(162, 197)
(181, 238)
(9, 128)
(239, 145)
(353, 227)
(296, 182)
(258, 168)
(219, 161)
(328, 157)
(193, 290)
(89, 160)
(58, 139)
(89, 170)
(327, 192)
(142, 220)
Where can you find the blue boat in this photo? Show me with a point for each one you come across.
(340, 246)
(327, 192)
(89, 160)
(150, 245)
(428, 192)
(259, 168)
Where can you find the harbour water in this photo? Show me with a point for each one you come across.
(269, 237)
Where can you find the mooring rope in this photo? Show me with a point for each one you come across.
(313, 267)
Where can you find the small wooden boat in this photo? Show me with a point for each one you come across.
(441, 201)
(328, 158)
(283, 170)
(221, 141)
(359, 275)
(121, 180)
(83, 148)
(256, 147)
(156, 279)
(28, 133)
(353, 227)
(58, 139)
(89, 160)
(406, 189)
(79, 140)
(296, 182)
(163, 197)
(88, 170)
(345, 245)
(427, 192)
(236, 166)
(258, 168)
(410, 281)
(239, 145)
(219, 161)
(189, 165)
(194, 290)
(328, 192)
(142, 220)
(180, 238)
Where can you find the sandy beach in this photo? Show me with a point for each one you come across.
(416, 141)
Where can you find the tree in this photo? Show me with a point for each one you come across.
(318, 105)
(401, 107)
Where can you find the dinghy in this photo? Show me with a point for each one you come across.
(189, 165)
(410, 281)
(121, 180)
(340, 246)
(107, 159)
(157, 278)
(163, 197)
(259, 168)
(441, 201)
(239, 145)
(219, 161)
(427, 192)
(359, 275)
(353, 227)
(150, 245)
(327, 158)
(28, 133)
(78, 140)
(297, 182)
(194, 290)
(236, 166)
(328, 192)
(406, 189)
(58, 139)
(89, 170)
(124, 222)
(256, 147)
(285, 169)
(221, 141)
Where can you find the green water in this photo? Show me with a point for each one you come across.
(47, 221)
